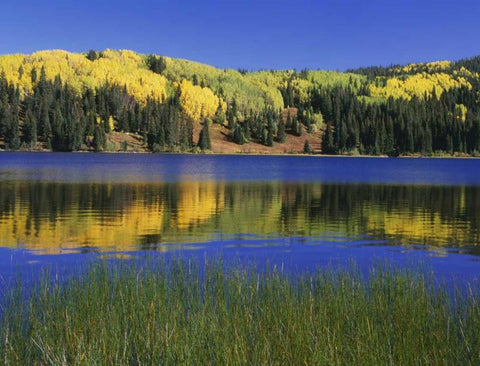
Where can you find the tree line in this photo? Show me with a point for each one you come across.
(447, 124)
(63, 119)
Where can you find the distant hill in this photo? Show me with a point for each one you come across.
(121, 100)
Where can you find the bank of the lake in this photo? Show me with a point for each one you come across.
(222, 144)
(253, 153)
(180, 312)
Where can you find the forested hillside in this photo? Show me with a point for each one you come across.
(102, 101)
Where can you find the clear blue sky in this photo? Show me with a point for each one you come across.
(324, 34)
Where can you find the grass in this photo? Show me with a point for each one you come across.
(181, 312)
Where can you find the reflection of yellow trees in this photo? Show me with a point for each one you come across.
(420, 227)
(81, 228)
(297, 209)
(121, 217)
(199, 201)
(195, 209)
(118, 229)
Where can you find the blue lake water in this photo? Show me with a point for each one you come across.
(62, 210)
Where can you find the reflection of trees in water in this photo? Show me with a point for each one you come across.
(438, 215)
(55, 215)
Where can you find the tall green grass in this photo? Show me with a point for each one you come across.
(183, 313)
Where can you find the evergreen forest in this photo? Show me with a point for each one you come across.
(61, 101)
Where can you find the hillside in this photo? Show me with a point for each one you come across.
(121, 100)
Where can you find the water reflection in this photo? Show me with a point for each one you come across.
(56, 217)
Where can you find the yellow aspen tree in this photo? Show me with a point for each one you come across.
(197, 102)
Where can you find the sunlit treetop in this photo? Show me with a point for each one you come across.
(436, 66)
(251, 92)
(419, 85)
(124, 68)
(197, 102)
(332, 78)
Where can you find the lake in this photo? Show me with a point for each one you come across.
(300, 212)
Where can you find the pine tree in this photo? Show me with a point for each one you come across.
(287, 94)
(4, 114)
(58, 129)
(44, 127)
(29, 129)
(232, 114)
(33, 75)
(238, 136)
(269, 141)
(296, 127)
(123, 120)
(157, 64)
(220, 116)
(328, 146)
(306, 148)
(204, 139)
(12, 135)
(99, 139)
(92, 55)
(77, 131)
(289, 120)
(281, 135)
(189, 131)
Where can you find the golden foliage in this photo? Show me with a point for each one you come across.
(111, 123)
(460, 112)
(332, 78)
(270, 84)
(302, 88)
(417, 85)
(197, 102)
(430, 67)
(251, 91)
(114, 67)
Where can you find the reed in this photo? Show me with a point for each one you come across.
(182, 312)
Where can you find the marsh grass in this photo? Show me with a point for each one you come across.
(180, 312)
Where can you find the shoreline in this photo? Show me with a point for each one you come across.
(413, 156)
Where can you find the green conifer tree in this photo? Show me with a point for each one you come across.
(281, 135)
(204, 142)
(306, 148)
(99, 139)
(29, 129)
(238, 136)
